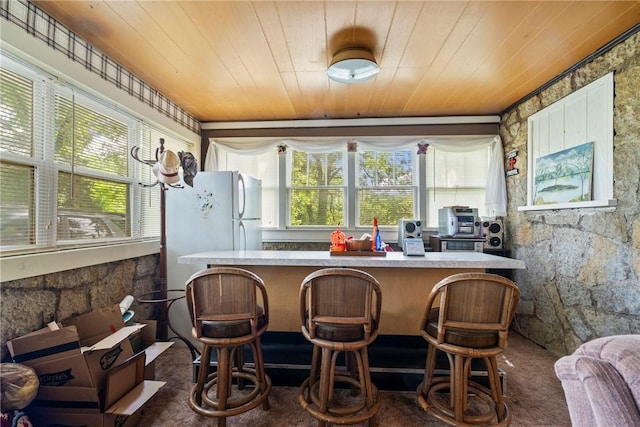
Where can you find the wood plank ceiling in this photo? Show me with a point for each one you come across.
(263, 60)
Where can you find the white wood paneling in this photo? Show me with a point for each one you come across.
(585, 115)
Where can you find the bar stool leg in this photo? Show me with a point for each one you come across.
(367, 385)
(196, 394)
(325, 382)
(496, 388)
(458, 388)
(238, 359)
(224, 381)
(429, 369)
(260, 370)
(315, 364)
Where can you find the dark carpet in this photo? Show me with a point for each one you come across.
(533, 394)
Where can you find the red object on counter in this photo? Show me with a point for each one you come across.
(338, 241)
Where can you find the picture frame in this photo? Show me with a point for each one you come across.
(564, 176)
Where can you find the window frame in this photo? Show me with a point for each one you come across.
(285, 232)
(47, 169)
(413, 187)
(290, 187)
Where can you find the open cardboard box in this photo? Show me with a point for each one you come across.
(125, 394)
(85, 367)
(79, 354)
(145, 340)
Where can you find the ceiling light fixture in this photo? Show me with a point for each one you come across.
(352, 65)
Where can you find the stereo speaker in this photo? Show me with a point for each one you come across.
(493, 233)
(409, 229)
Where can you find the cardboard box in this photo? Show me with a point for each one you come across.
(59, 360)
(89, 374)
(125, 394)
(104, 338)
(55, 355)
(152, 352)
(146, 339)
(96, 325)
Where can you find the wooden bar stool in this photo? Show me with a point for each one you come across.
(340, 313)
(229, 309)
(467, 317)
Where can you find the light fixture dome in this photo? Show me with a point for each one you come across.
(352, 65)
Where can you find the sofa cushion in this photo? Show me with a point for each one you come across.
(623, 353)
(601, 381)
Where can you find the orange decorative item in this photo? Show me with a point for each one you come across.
(374, 234)
(338, 240)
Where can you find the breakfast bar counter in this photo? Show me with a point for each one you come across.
(405, 281)
(324, 259)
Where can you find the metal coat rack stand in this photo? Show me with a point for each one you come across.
(161, 296)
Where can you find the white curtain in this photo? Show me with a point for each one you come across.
(496, 189)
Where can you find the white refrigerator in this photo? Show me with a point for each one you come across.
(222, 211)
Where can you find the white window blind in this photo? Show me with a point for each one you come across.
(385, 187)
(17, 165)
(317, 188)
(455, 178)
(263, 167)
(66, 174)
(91, 155)
(147, 218)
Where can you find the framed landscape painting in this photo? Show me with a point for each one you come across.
(565, 176)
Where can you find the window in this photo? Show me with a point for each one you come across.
(67, 178)
(385, 187)
(146, 214)
(316, 187)
(17, 213)
(90, 155)
(265, 168)
(323, 189)
(455, 178)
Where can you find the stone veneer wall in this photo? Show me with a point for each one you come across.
(27, 304)
(582, 279)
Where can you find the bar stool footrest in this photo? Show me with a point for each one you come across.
(350, 414)
(208, 406)
(439, 407)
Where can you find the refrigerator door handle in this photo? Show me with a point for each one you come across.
(242, 194)
(242, 231)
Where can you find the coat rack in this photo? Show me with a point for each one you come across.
(166, 179)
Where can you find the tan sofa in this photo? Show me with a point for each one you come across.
(601, 382)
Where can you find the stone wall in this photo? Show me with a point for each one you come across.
(583, 265)
(28, 304)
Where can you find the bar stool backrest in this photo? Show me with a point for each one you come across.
(226, 294)
(341, 297)
(470, 302)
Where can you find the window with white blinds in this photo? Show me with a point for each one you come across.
(67, 177)
(324, 189)
(263, 167)
(455, 178)
(19, 156)
(385, 187)
(90, 153)
(146, 214)
(317, 188)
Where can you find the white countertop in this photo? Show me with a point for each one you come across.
(324, 259)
